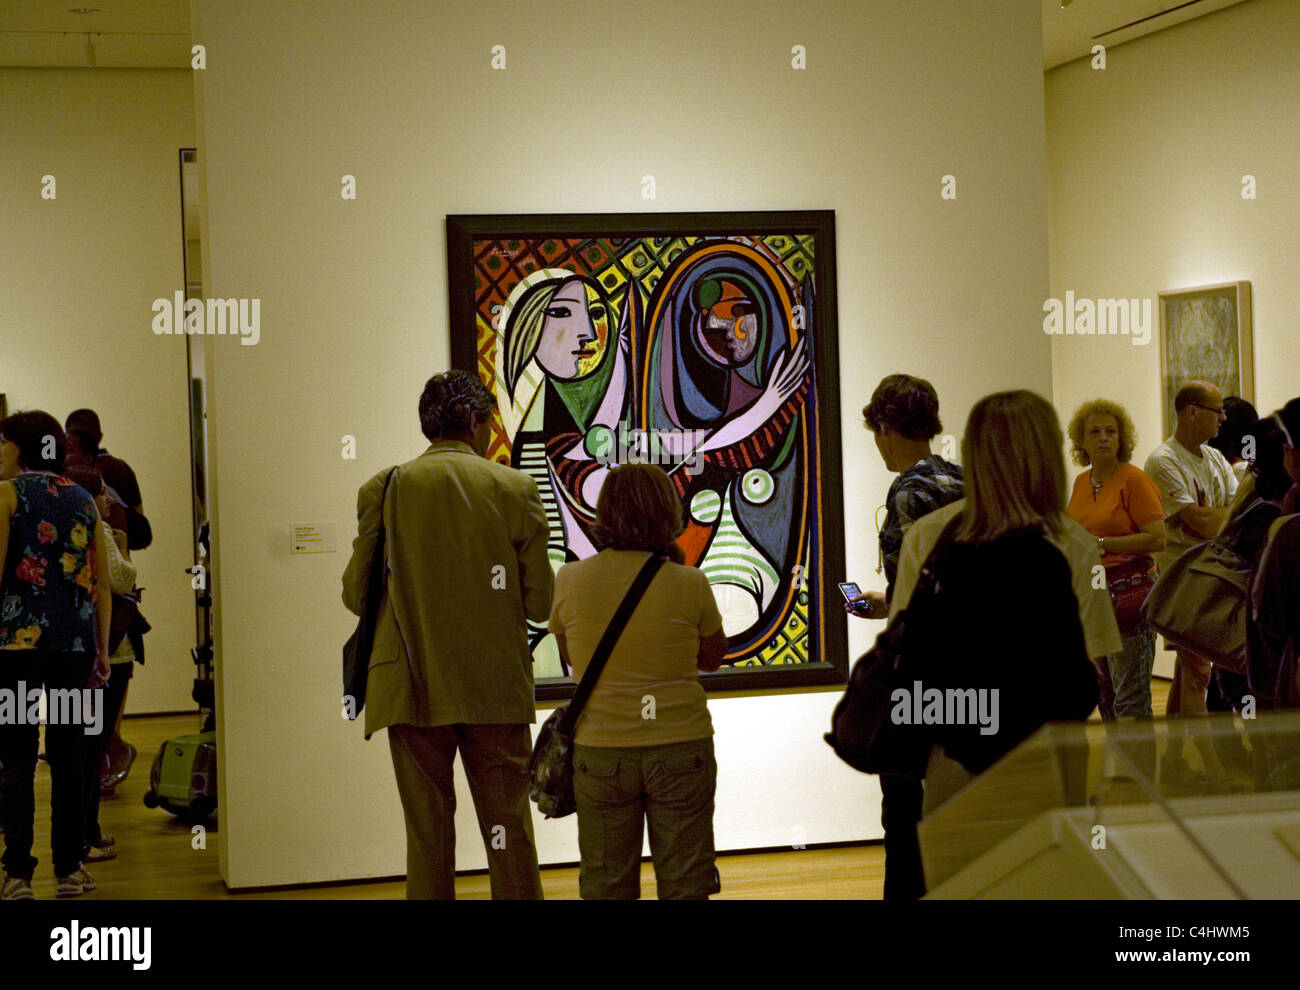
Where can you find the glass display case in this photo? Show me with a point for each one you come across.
(1127, 810)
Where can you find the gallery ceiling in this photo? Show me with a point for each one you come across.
(1072, 27)
(156, 33)
(125, 33)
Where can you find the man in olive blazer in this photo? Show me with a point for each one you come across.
(451, 667)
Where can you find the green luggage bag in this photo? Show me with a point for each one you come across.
(183, 779)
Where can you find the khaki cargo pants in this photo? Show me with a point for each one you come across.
(668, 787)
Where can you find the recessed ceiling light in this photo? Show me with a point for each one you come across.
(84, 10)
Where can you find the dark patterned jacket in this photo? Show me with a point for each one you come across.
(927, 485)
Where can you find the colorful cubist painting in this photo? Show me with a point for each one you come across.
(703, 343)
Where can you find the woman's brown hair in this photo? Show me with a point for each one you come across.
(638, 509)
(1014, 470)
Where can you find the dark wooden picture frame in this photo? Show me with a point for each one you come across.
(713, 338)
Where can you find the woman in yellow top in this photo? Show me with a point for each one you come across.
(643, 746)
(1117, 503)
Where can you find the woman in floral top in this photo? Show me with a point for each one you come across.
(54, 619)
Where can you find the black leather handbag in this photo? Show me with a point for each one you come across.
(551, 766)
(863, 733)
(356, 651)
(139, 534)
(125, 609)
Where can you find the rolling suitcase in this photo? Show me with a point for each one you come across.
(183, 779)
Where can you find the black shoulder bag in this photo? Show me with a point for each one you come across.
(551, 766)
(139, 534)
(863, 733)
(356, 651)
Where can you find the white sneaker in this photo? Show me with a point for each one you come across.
(16, 889)
(75, 885)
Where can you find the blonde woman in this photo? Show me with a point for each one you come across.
(643, 747)
(1119, 505)
(556, 342)
(1014, 617)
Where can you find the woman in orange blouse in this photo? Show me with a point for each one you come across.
(1117, 503)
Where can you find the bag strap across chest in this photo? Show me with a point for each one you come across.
(608, 641)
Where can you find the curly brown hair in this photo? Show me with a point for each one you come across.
(1128, 435)
(638, 509)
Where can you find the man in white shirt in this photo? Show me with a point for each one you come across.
(1196, 487)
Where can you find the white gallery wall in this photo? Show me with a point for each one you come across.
(78, 276)
(354, 311)
(1146, 160)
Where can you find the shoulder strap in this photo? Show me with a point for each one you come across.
(383, 497)
(1233, 527)
(607, 642)
(378, 557)
(1278, 523)
(1255, 592)
(945, 537)
(928, 578)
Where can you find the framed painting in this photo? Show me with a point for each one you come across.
(702, 342)
(1205, 335)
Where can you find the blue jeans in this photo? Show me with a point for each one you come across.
(1130, 675)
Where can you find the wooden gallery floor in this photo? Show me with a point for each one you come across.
(157, 859)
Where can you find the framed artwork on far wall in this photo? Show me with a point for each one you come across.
(1205, 334)
(701, 342)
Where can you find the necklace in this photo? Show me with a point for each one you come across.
(1097, 486)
